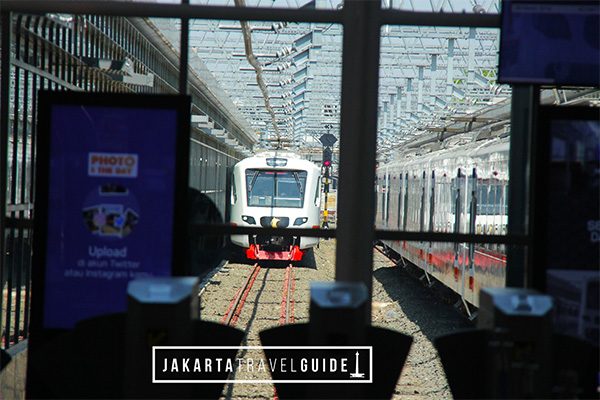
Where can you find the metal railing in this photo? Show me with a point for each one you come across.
(57, 53)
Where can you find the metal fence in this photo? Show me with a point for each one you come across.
(83, 53)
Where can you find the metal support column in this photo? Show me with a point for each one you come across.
(525, 102)
(184, 52)
(356, 209)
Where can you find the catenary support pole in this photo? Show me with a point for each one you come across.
(184, 52)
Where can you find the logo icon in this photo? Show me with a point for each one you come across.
(357, 373)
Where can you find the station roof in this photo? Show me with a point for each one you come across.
(428, 75)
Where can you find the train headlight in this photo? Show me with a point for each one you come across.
(277, 162)
(248, 219)
(300, 221)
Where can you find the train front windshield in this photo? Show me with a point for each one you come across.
(268, 188)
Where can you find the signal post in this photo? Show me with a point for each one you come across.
(328, 140)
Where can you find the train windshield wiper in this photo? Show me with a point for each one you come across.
(253, 181)
(299, 184)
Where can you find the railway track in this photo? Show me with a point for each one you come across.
(254, 299)
(383, 251)
(287, 299)
(237, 303)
(258, 297)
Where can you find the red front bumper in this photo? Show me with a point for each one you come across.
(255, 253)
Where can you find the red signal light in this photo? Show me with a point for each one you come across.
(327, 163)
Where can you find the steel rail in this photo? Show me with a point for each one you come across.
(382, 252)
(289, 316)
(237, 303)
(287, 311)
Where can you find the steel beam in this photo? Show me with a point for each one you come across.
(524, 106)
(356, 204)
(184, 49)
(139, 9)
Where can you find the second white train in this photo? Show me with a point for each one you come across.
(461, 189)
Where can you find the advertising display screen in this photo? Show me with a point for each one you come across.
(550, 42)
(113, 165)
(569, 226)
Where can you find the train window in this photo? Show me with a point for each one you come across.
(482, 198)
(318, 191)
(492, 199)
(458, 193)
(275, 189)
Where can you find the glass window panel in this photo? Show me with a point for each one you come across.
(275, 189)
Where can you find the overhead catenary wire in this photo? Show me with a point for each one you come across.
(258, 68)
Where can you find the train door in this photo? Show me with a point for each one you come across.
(472, 220)
(391, 199)
(386, 196)
(432, 202)
(415, 202)
(429, 260)
(458, 189)
(379, 202)
(498, 199)
(422, 210)
(400, 199)
(405, 203)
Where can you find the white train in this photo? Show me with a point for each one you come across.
(275, 190)
(461, 189)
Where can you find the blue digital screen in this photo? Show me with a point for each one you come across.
(550, 42)
(110, 207)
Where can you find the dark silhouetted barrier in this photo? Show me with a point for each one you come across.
(337, 318)
(111, 356)
(515, 354)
